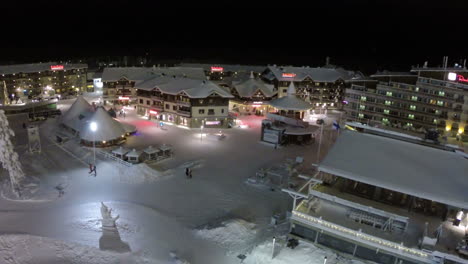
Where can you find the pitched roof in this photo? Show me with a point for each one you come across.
(250, 86)
(226, 67)
(79, 110)
(290, 102)
(107, 128)
(192, 87)
(37, 67)
(298, 74)
(145, 73)
(406, 167)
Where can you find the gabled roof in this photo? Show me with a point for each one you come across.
(193, 88)
(145, 73)
(79, 110)
(107, 128)
(298, 74)
(37, 67)
(226, 67)
(249, 87)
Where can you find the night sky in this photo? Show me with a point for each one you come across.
(361, 35)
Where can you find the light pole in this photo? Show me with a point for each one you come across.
(93, 127)
(325, 260)
(320, 143)
(273, 251)
(201, 133)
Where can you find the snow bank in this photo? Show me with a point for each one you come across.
(16, 249)
(142, 173)
(303, 253)
(232, 234)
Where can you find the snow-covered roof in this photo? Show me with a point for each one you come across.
(120, 151)
(134, 153)
(145, 73)
(165, 147)
(298, 74)
(226, 67)
(392, 73)
(409, 168)
(290, 102)
(128, 128)
(107, 128)
(78, 111)
(193, 88)
(37, 67)
(249, 87)
(151, 150)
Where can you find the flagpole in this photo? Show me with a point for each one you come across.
(320, 143)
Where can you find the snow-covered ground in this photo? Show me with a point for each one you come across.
(159, 207)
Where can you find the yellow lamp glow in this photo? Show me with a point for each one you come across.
(447, 128)
(460, 130)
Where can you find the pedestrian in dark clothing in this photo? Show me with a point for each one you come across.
(190, 173)
(24, 125)
(187, 171)
(94, 169)
(90, 168)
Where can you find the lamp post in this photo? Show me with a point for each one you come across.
(325, 260)
(201, 133)
(93, 127)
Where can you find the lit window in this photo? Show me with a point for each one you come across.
(412, 107)
(435, 121)
(440, 103)
(417, 89)
(441, 93)
(388, 102)
(362, 107)
(361, 115)
(386, 111)
(385, 120)
(389, 93)
(409, 124)
(437, 112)
(414, 98)
(411, 116)
(363, 98)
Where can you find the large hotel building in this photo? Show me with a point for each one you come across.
(426, 98)
(25, 80)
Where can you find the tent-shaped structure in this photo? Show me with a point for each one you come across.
(120, 152)
(129, 129)
(151, 153)
(291, 101)
(109, 131)
(134, 156)
(75, 116)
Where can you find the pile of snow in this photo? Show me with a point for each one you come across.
(303, 253)
(232, 234)
(142, 173)
(32, 249)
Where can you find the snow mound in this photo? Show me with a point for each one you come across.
(303, 253)
(193, 164)
(32, 249)
(142, 173)
(232, 234)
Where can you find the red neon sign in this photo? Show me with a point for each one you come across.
(124, 98)
(56, 67)
(289, 75)
(462, 79)
(216, 69)
(154, 112)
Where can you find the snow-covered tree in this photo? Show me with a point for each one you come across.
(8, 157)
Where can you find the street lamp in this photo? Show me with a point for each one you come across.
(201, 133)
(93, 127)
(325, 260)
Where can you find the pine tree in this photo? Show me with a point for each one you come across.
(8, 157)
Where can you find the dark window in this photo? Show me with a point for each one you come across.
(211, 111)
(167, 106)
(174, 107)
(148, 102)
(222, 111)
(201, 111)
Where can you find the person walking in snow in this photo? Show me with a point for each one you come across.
(94, 169)
(187, 172)
(190, 173)
(90, 168)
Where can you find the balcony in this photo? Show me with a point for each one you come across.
(184, 103)
(156, 98)
(184, 113)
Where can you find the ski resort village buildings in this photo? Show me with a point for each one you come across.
(42, 79)
(425, 98)
(386, 197)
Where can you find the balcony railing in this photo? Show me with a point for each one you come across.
(184, 113)
(184, 103)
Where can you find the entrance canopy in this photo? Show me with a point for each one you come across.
(410, 168)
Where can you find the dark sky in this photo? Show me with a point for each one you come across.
(355, 34)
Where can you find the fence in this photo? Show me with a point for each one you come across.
(112, 157)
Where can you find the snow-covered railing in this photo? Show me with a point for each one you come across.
(112, 157)
(391, 247)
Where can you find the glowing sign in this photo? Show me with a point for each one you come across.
(154, 112)
(217, 69)
(452, 76)
(124, 98)
(56, 67)
(289, 75)
(211, 123)
(462, 79)
(258, 103)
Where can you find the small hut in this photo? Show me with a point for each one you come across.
(120, 153)
(151, 153)
(166, 150)
(134, 156)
